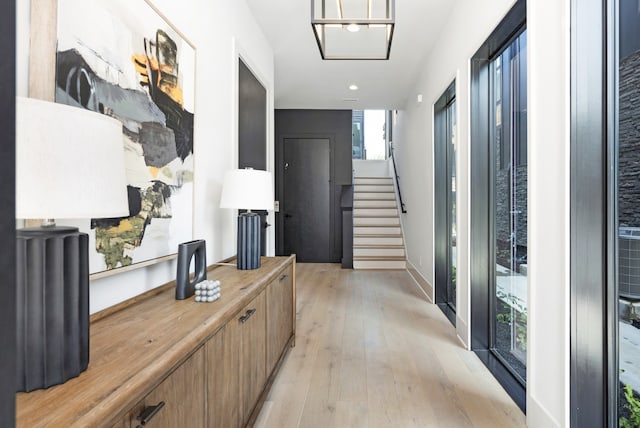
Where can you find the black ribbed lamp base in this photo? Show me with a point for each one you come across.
(248, 241)
(52, 306)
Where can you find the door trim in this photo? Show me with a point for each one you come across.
(250, 132)
(240, 53)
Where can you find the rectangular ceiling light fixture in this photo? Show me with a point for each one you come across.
(353, 29)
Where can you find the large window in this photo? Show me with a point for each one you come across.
(369, 136)
(509, 190)
(498, 215)
(605, 214)
(445, 183)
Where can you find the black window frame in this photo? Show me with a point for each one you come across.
(511, 26)
(593, 355)
(442, 214)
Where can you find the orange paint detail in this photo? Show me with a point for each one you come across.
(124, 226)
(154, 171)
(175, 92)
(166, 80)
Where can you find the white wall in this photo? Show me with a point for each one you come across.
(548, 357)
(221, 30)
(548, 115)
(371, 168)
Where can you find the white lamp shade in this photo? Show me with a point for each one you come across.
(247, 189)
(69, 162)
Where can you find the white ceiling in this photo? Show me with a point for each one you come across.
(303, 80)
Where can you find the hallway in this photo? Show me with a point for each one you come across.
(371, 352)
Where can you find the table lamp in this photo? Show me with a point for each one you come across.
(248, 189)
(69, 164)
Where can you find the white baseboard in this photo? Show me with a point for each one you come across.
(538, 417)
(462, 330)
(420, 280)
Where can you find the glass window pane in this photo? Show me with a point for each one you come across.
(509, 339)
(628, 187)
(368, 134)
(357, 134)
(451, 134)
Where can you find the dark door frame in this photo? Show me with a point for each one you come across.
(593, 390)
(7, 215)
(442, 187)
(250, 125)
(481, 245)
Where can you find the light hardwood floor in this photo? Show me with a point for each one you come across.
(372, 352)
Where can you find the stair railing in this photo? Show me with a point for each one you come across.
(395, 171)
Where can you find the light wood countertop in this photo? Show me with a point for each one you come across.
(133, 349)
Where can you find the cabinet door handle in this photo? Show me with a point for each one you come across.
(283, 277)
(247, 315)
(149, 412)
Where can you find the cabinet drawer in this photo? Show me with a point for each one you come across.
(179, 401)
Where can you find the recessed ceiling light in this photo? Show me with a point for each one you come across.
(354, 28)
(353, 87)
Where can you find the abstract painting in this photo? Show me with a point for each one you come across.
(122, 59)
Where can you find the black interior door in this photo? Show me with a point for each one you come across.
(252, 130)
(306, 205)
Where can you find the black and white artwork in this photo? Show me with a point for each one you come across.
(122, 59)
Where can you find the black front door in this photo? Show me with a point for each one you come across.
(306, 204)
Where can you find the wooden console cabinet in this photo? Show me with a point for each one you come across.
(157, 362)
(281, 315)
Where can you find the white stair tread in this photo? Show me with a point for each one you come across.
(375, 207)
(375, 216)
(386, 209)
(375, 200)
(374, 195)
(387, 221)
(390, 246)
(379, 225)
(373, 252)
(377, 240)
(372, 258)
(383, 235)
(378, 231)
(369, 194)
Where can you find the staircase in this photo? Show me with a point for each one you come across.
(377, 235)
